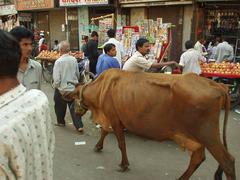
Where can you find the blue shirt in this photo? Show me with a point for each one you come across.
(106, 62)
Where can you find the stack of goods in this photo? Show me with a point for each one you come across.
(129, 39)
(48, 55)
(221, 68)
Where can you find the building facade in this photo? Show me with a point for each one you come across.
(179, 13)
(8, 15)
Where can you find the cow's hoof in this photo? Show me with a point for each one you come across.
(98, 148)
(123, 168)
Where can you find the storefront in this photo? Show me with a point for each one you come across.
(8, 17)
(176, 12)
(219, 19)
(40, 16)
(78, 15)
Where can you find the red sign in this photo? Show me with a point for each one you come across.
(32, 5)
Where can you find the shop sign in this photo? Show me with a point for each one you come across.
(32, 5)
(82, 2)
(7, 10)
(25, 17)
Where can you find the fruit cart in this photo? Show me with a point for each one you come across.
(227, 73)
(47, 68)
(47, 59)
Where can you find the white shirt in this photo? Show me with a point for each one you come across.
(198, 47)
(26, 135)
(40, 43)
(119, 47)
(137, 63)
(224, 51)
(190, 61)
(31, 78)
(65, 72)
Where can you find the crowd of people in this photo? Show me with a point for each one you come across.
(21, 76)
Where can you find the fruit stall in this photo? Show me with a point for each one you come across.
(227, 73)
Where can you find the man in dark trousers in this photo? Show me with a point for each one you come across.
(92, 51)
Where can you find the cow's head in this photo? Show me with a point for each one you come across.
(77, 96)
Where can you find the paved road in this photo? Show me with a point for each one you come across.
(149, 160)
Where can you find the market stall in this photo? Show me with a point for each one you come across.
(104, 24)
(227, 73)
(158, 34)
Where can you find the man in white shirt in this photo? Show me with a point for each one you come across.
(224, 51)
(30, 71)
(26, 133)
(65, 75)
(138, 61)
(40, 42)
(189, 60)
(119, 47)
(199, 46)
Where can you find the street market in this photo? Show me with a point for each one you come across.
(153, 86)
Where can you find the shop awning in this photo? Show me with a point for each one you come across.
(144, 3)
(7, 10)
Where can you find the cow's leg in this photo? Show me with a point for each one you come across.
(118, 131)
(99, 146)
(225, 160)
(197, 155)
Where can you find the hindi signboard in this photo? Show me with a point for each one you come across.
(66, 3)
(23, 5)
(7, 10)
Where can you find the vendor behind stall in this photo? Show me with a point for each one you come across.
(224, 51)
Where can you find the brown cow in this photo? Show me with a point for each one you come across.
(183, 108)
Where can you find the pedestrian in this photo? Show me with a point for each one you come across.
(55, 45)
(212, 48)
(44, 46)
(84, 45)
(41, 40)
(65, 75)
(92, 51)
(189, 60)
(119, 47)
(30, 71)
(26, 133)
(107, 61)
(200, 47)
(224, 51)
(138, 61)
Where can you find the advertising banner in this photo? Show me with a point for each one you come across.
(66, 3)
(23, 5)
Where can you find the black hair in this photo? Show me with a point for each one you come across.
(140, 42)
(111, 33)
(108, 47)
(10, 54)
(56, 41)
(20, 33)
(94, 33)
(85, 38)
(188, 44)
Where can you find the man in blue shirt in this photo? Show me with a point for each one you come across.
(107, 60)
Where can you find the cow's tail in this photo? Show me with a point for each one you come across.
(227, 109)
(226, 105)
